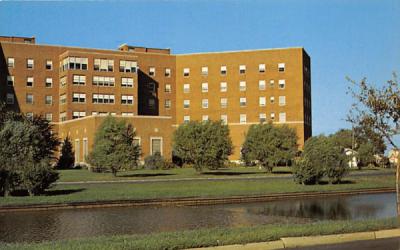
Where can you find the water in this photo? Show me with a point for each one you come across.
(66, 224)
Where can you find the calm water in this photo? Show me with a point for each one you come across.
(64, 224)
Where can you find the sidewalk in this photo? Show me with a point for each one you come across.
(292, 242)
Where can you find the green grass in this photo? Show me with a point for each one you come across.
(179, 173)
(217, 188)
(212, 237)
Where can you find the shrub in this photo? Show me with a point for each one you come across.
(154, 161)
(37, 177)
(203, 144)
(269, 145)
(67, 157)
(304, 173)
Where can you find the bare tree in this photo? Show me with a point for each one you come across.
(377, 110)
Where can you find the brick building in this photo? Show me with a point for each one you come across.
(75, 88)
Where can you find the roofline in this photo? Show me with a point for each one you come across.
(238, 51)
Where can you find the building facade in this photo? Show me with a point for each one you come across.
(156, 91)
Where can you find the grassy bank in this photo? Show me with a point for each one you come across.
(119, 191)
(213, 237)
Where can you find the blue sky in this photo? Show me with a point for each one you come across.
(343, 37)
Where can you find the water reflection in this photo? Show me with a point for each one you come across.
(64, 224)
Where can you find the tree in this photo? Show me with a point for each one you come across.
(366, 154)
(377, 109)
(67, 157)
(270, 145)
(203, 144)
(154, 161)
(114, 148)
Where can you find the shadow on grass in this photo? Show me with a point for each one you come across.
(228, 173)
(342, 182)
(145, 175)
(49, 192)
(282, 172)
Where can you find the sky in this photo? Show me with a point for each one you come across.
(354, 38)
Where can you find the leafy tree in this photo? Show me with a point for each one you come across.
(38, 176)
(113, 146)
(366, 154)
(377, 110)
(305, 173)
(270, 145)
(67, 156)
(154, 161)
(203, 144)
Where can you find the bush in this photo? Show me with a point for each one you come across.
(67, 157)
(203, 144)
(38, 177)
(269, 145)
(154, 161)
(304, 173)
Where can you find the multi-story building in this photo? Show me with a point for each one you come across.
(75, 88)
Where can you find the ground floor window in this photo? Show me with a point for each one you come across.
(77, 151)
(156, 145)
(85, 149)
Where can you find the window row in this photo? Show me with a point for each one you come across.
(30, 81)
(242, 102)
(241, 69)
(223, 86)
(106, 81)
(243, 118)
(10, 99)
(152, 72)
(30, 63)
(98, 98)
(107, 65)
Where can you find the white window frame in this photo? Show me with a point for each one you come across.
(186, 88)
(10, 98)
(186, 118)
(204, 71)
(11, 62)
(204, 103)
(242, 69)
(242, 86)
(186, 72)
(262, 101)
(282, 117)
(281, 67)
(204, 118)
(204, 87)
(282, 84)
(186, 104)
(151, 144)
(223, 70)
(282, 100)
(224, 119)
(262, 85)
(49, 81)
(262, 117)
(243, 102)
(243, 119)
(223, 86)
(261, 68)
(224, 102)
(152, 71)
(10, 79)
(168, 88)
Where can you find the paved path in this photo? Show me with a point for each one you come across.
(289, 176)
(385, 244)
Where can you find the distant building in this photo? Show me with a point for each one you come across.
(353, 159)
(156, 91)
(394, 156)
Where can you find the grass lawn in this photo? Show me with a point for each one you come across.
(178, 173)
(217, 188)
(212, 237)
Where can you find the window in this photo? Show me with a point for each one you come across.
(152, 103)
(271, 83)
(261, 68)
(224, 102)
(127, 82)
(204, 87)
(103, 65)
(242, 69)
(261, 85)
(186, 88)
(242, 101)
(186, 118)
(223, 70)
(85, 148)
(75, 63)
(78, 97)
(127, 114)
(156, 145)
(242, 86)
(224, 119)
(167, 72)
(152, 71)
(29, 63)
(223, 86)
(104, 81)
(204, 118)
(186, 72)
(167, 103)
(262, 117)
(10, 80)
(49, 82)
(10, 62)
(103, 98)
(186, 104)
(204, 103)
(136, 141)
(63, 117)
(204, 71)
(167, 88)
(49, 64)
(78, 114)
(10, 98)
(49, 117)
(127, 66)
(29, 98)
(272, 116)
(282, 117)
(48, 99)
(152, 86)
(282, 100)
(127, 99)
(243, 118)
(262, 101)
(78, 80)
(63, 99)
(29, 115)
(29, 81)
(281, 67)
(282, 84)
(272, 99)
(63, 81)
